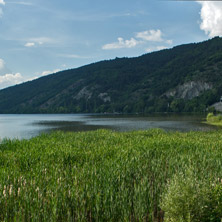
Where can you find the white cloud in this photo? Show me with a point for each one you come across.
(211, 16)
(3, 68)
(150, 35)
(44, 73)
(2, 2)
(10, 79)
(7, 78)
(2, 64)
(156, 48)
(170, 42)
(1, 11)
(21, 3)
(29, 44)
(140, 38)
(42, 40)
(153, 36)
(121, 44)
(38, 41)
(161, 47)
(24, 3)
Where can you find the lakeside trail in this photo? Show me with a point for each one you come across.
(111, 176)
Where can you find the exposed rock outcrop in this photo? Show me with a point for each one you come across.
(84, 93)
(104, 97)
(189, 90)
(217, 106)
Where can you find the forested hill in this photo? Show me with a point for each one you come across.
(185, 78)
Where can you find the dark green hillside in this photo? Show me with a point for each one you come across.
(186, 78)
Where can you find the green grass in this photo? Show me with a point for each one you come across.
(107, 176)
(215, 120)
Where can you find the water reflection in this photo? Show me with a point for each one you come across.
(27, 126)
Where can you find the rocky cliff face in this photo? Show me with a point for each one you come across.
(217, 106)
(189, 90)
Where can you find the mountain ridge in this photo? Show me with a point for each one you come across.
(155, 82)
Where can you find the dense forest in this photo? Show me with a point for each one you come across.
(186, 78)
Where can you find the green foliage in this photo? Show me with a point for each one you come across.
(210, 116)
(214, 119)
(134, 85)
(111, 176)
(189, 198)
(177, 105)
(211, 109)
(215, 201)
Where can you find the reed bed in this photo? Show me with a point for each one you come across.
(101, 175)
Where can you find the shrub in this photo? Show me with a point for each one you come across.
(188, 199)
(210, 117)
(183, 199)
(215, 202)
(214, 118)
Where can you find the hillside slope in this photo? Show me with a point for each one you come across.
(186, 78)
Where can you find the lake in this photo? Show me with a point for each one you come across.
(27, 126)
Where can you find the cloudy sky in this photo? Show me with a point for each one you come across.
(38, 37)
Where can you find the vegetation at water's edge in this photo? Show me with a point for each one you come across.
(214, 119)
(112, 176)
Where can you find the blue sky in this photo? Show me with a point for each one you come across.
(38, 37)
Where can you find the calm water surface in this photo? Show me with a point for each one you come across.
(27, 126)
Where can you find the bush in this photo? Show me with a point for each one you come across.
(210, 117)
(188, 199)
(183, 199)
(215, 202)
(214, 118)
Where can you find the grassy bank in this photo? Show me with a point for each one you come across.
(215, 120)
(111, 176)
